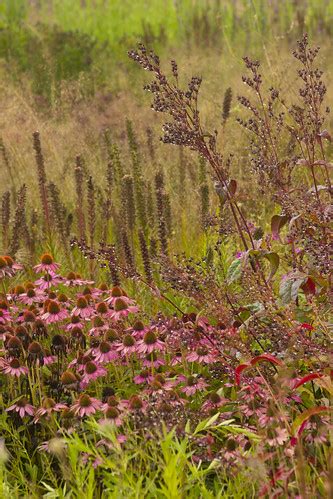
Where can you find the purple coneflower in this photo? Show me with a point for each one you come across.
(92, 371)
(277, 436)
(201, 355)
(85, 406)
(117, 292)
(122, 309)
(90, 458)
(73, 279)
(99, 327)
(138, 330)
(47, 264)
(48, 407)
(22, 407)
(213, 402)
(160, 384)
(143, 377)
(111, 415)
(102, 308)
(177, 359)
(83, 309)
(127, 346)
(193, 384)
(14, 346)
(14, 368)
(48, 280)
(4, 316)
(150, 343)
(80, 361)
(136, 404)
(102, 290)
(31, 296)
(75, 322)
(8, 267)
(54, 313)
(104, 353)
(49, 358)
(152, 360)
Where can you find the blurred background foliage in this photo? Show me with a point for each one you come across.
(52, 41)
(64, 71)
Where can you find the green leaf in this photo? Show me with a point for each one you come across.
(206, 423)
(290, 286)
(234, 271)
(274, 261)
(237, 430)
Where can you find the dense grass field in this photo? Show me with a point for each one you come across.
(165, 249)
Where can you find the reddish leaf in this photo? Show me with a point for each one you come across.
(263, 357)
(239, 370)
(325, 135)
(267, 357)
(300, 422)
(307, 378)
(307, 326)
(232, 187)
(309, 287)
(277, 222)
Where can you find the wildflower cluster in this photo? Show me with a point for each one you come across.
(78, 351)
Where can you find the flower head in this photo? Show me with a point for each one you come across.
(47, 264)
(150, 343)
(22, 407)
(105, 353)
(201, 355)
(14, 368)
(122, 309)
(118, 292)
(92, 371)
(83, 309)
(193, 384)
(85, 406)
(48, 280)
(127, 346)
(8, 267)
(48, 407)
(111, 415)
(54, 313)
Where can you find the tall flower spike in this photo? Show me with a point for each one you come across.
(79, 176)
(91, 210)
(5, 217)
(41, 174)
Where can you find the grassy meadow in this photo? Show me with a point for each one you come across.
(165, 249)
